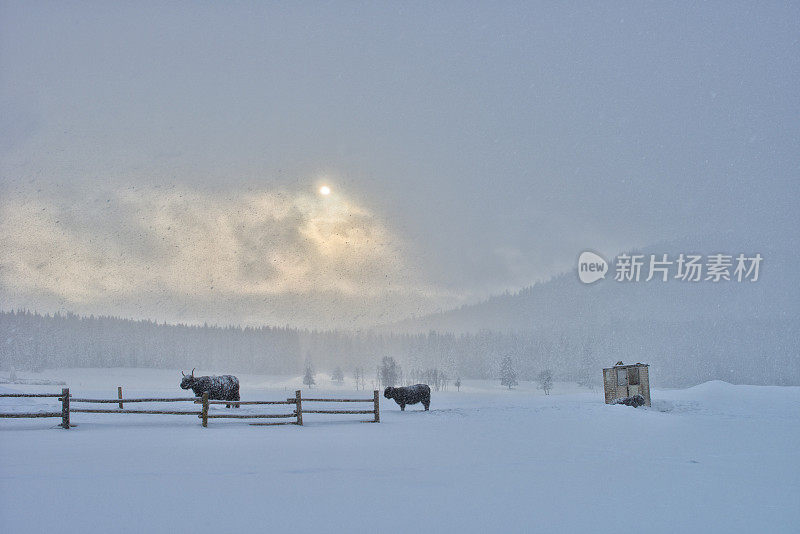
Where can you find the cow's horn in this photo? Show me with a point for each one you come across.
(183, 374)
(193, 368)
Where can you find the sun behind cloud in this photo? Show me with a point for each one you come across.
(230, 258)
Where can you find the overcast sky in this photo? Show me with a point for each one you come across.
(163, 160)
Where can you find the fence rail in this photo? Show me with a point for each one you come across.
(117, 410)
(30, 394)
(297, 414)
(115, 401)
(31, 415)
(340, 411)
(252, 416)
(338, 400)
(240, 403)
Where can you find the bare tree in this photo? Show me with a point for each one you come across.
(337, 375)
(545, 380)
(388, 372)
(436, 378)
(358, 376)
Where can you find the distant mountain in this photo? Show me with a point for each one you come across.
(741, 332)
(565, 300)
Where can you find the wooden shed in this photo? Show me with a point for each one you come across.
(623, 381)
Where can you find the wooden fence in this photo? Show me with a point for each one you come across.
(297, 414)
(375, 400)
(63, 414)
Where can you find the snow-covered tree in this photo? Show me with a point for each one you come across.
(545, 380)
(308, 377)
(508, 376)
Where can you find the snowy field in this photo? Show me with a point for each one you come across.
(712, 458)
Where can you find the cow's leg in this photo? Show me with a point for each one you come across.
(427, 404)
(402, 407)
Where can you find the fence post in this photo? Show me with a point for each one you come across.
(205, 409)
(65, 408)
(299, 406)
(119, 396)
(376, 399)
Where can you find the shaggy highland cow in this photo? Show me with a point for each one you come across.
(409, 395)
(225, 387)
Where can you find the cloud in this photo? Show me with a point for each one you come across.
(191, 255)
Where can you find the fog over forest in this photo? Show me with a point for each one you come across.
(256, 189)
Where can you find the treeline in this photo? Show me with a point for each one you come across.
(680, 354)
(34, 341)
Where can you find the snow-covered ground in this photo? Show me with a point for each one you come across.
(712, 458)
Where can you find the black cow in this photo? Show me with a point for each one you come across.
(634, 400)
(410, 395)
(225, 387)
